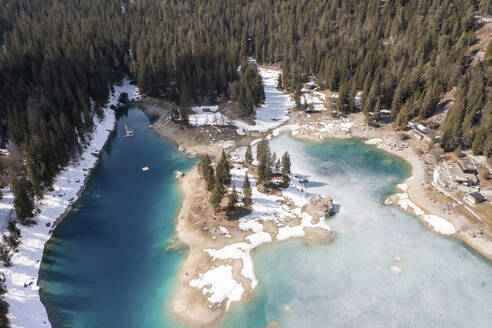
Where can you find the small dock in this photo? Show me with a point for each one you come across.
(129, 133)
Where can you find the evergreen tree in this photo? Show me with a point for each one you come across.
(344, 101)
(248, 156)
(279, 82)
(232, 199)
(175, 115)
(377, 110)
(479, 141)
(247, 190)
(430, 101)
(286, 167)
(5, 255)
(13, 238)
(250, 88)
(33, 172)
(223, 169)
(273, 160)
(217, 195)
(4, 306)
(22, 201)
(183, 104)
(207, 171)
(297, 98)
(264, 159)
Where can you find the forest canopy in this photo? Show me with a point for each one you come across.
(60, 58)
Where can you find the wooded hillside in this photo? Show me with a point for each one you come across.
(60, 58)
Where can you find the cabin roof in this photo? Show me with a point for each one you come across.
(478, 197)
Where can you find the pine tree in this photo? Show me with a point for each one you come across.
(247, 190)
(183, 104)
(297, 98)
(22, 201)
(343, 100)
(207, 171)
(286, 167)
(5, 255)
(13, 230)
(33, 173)
(273, 160)
(248, 156)
(175, 115)
(377, 110)
(10, 241)
(232, 199)
(183, 115)
(217, 195)
(279, 81)
(479, 141)
(223, 170)
(264, 159)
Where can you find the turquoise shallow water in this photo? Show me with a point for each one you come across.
(106, 265)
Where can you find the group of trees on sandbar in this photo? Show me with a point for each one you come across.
(218, 176)
(268, 163)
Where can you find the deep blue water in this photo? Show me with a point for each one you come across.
(106, 264)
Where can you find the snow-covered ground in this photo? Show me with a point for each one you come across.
(315, 99)
(6, 207)
(219, 284)
(270, 115)
(26, 309)
(374, 141)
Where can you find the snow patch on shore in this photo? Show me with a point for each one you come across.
(374, 141)
(314, 99)
(297, 231)
(218, 282)
(25, 307)
(437, 223)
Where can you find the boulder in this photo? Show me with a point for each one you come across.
(179, 175)
(320, 206)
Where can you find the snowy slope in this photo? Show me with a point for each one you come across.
(268, 116)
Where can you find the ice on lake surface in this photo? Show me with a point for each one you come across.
(384, 269)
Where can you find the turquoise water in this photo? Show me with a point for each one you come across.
(106, 264)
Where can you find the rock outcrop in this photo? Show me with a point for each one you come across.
(319, 207)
